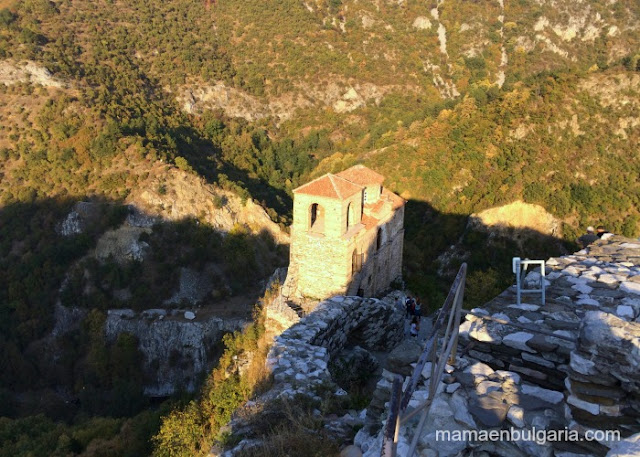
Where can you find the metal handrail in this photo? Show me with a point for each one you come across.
(438, 356)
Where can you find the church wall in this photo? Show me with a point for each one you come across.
(323, 267)
(324, 259)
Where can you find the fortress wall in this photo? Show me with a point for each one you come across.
(299, 357)
(593, 298)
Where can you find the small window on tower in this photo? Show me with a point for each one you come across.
(316, 218)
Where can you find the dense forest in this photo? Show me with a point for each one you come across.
(533, 101)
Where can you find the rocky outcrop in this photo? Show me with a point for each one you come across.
(122, 244)
(519, 215)
(27, 71)
(82, 215)
(517, 221)
(177, 346)
(177, 195)
(341, 96)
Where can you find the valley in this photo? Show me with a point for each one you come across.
(148, 153)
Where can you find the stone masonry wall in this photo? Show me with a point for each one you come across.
(603, 385)
(593, 300)
(323, 257)
(573, 366)
(299, 357)
(324, 268)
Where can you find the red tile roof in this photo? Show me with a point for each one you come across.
(396, 200)
(362, 175)
(369, 221)
(331, 186)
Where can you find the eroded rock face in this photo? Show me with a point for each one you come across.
(518, 215)
(178, 195)
(79, 218)
(341, 96)
(28, 71)
(176, 345)
(122, 245)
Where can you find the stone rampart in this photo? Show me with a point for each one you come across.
(603, 385)
(569, 366)
(299, 357)
(584, 342)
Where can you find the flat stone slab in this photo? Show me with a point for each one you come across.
(488, 386)
(516, 416)
(582, 288)
(541, 343)
(625, 312)
(518, 340)
(525, 307)
(588, 302)
(550, 396)
(479, 369)
(630, 287)
(489, 409)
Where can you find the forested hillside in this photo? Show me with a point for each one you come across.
(462, 105)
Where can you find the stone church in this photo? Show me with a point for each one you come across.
(347, 235)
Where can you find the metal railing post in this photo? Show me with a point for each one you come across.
(438, 352)
(390, 436)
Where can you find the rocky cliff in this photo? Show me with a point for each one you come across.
(175, 194)
(177, 346)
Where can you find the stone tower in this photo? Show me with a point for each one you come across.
(347, 235)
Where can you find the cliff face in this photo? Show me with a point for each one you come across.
(174, 195)
(177, 346)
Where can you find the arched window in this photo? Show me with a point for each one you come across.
(356, 262)
(350, 217)
(316, 218)
(379, 239)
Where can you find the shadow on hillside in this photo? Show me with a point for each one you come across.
(48, 257)
(437, 243)
(206, 159)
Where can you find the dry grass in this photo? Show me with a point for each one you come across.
(7, 4)
(290, 430)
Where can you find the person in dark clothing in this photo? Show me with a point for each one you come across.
(417, 311)
(602, 233)
(409, 307)
(588, 238)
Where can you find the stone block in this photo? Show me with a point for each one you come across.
(518, 340)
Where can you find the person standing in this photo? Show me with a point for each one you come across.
(407, 304)
(417, 311)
